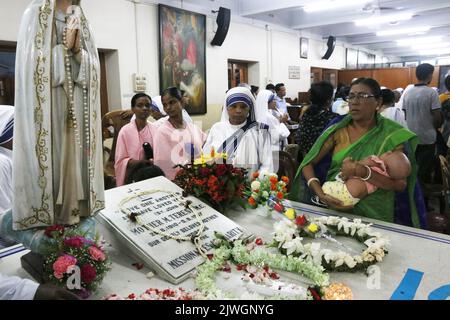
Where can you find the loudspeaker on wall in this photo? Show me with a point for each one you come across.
(223, 23)
(331, 43)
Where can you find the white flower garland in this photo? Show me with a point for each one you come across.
(240, 254)
(288, 239)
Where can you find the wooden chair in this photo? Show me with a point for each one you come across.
(112, 122)
(286, 166)
(293, 149)
(440, 221)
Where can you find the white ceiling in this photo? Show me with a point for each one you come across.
(340, 22)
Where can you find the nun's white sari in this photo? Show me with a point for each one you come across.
(57, 176)
(248, 145)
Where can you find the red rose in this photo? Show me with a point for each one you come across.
(280, 195)
(274, 275)
(212, 181)
(56, 228)
(259, 241)
(301, 220)
(314, 293)
(88, 273)
(240, 267)
(75, 242)
(204, 171)
(221, 169)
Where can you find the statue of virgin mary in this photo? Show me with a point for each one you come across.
(57, 153)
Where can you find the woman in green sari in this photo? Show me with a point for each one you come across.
(358, 135)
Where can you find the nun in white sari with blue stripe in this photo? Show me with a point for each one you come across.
(246, 141)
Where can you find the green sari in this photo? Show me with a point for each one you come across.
(385, 136)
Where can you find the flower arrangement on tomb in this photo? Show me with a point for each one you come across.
(267, 189)
(257, 262)
(73, 261)
(289, 234)
(212, 180)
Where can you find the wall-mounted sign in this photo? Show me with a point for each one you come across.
(294, 72)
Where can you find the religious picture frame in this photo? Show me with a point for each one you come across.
(182, 54)
(304, 44)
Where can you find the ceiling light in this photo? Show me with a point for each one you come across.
(392, 32)
(421, 46)
(383, 19)
(433, 52)
(415, 40)
(330, 5)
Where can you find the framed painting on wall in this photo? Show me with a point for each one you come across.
(304, 48)
(182, 54)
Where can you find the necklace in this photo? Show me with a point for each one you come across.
(70, 91)
(195, 239)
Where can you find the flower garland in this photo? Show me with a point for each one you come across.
(195, 239)
(244, 255)
(288, 238)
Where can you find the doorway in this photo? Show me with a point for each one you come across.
(7, 77)
(237, 73)
(319, 74)
(7, 74)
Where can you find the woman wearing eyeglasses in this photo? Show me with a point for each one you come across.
(362, 133)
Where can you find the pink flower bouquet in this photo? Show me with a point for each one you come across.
(74, 262)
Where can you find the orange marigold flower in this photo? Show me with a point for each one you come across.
(280, 195)
(273, 180)
(285, 179)
(213, 152)
(251, 201)
(255, 174)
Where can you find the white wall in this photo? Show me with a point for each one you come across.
(131, 33)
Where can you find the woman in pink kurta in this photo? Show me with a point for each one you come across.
(129, 150)
(176, 141)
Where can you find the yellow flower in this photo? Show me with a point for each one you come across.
(290, 214)
(200, 160)
(313, 228)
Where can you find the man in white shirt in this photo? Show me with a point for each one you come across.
(281, 110)
(15, 288)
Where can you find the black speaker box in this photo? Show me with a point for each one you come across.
(223, 23)
(331, 43)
